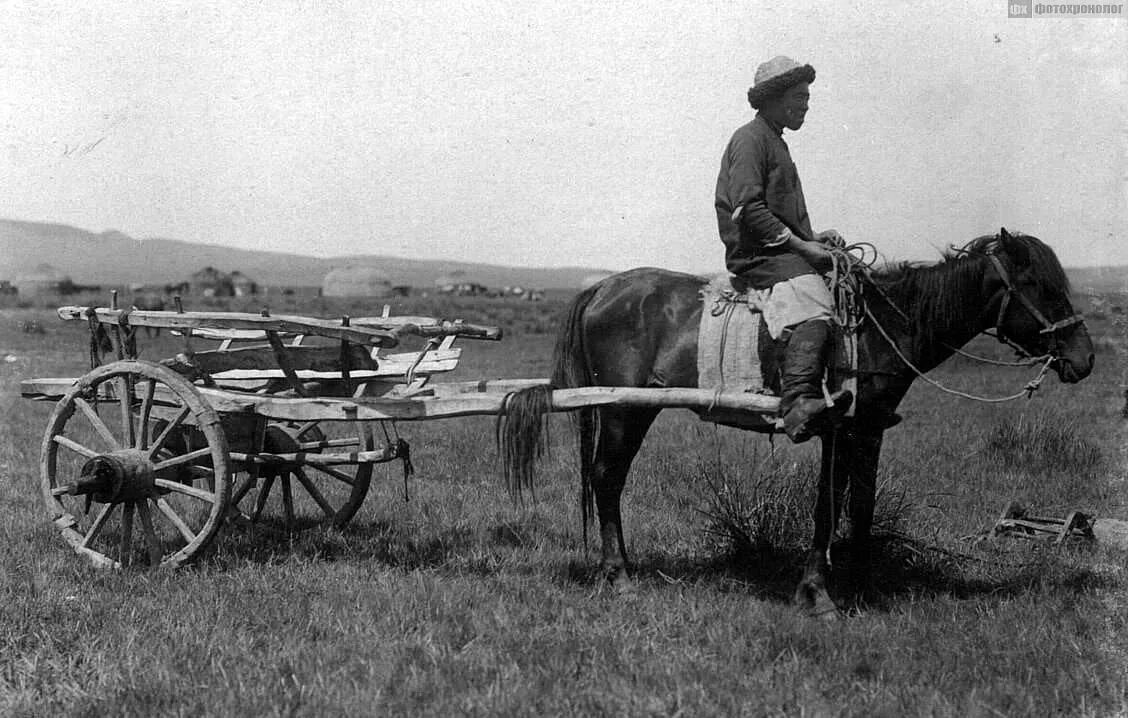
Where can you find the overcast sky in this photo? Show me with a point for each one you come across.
(556, 133)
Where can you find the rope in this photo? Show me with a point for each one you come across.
(729, 308)
(1030, 361)
(1027, 391)
(97, 334)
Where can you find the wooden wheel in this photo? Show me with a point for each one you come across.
(307, 492)
(129, 440)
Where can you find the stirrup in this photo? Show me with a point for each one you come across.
(820, 418)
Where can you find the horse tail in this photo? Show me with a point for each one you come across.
(571, 367)
(521, 427)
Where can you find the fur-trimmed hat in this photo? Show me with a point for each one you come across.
(775, 76)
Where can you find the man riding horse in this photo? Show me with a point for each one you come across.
(770, 247)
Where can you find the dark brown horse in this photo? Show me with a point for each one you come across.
(639, 329)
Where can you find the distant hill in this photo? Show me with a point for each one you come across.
(1098, 279)
(112, 259)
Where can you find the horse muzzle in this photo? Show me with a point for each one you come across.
(1072, 370)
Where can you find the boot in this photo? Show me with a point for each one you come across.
(803, 406)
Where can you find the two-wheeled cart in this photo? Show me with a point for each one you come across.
(143, 461)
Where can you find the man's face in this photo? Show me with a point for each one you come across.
(791, 107)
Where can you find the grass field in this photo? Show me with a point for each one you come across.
(458, 602)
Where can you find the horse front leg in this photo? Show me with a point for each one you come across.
(812, 596)
(863, 493)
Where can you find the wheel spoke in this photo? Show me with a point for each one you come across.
(242, 489)
(151, 540)
(335, 473)
(181, 526)
(173, 425)
(125, 401)
(74, 446)
(288, 499)
(146, 411)
(186, 490)
(182, 459)
(126, 532)
(260, 499)
(96, 527)
(96, 421)
(314, 493)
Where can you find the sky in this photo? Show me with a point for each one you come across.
(535, 133)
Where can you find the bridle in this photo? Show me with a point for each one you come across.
(852, 264)
(1048, 327)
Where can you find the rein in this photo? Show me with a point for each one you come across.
(1027, 391)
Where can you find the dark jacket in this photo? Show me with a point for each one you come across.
(758, 177)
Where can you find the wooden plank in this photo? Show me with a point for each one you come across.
(415, 326)
(283, 360)
(238, 320)
(231, 335)
(455, 388)
(319, 459)
(314, 358)
(46, 387)
(393, 365)
(430, 327)
(477, 404)
(451, 400)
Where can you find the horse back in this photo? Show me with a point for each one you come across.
(638, 328)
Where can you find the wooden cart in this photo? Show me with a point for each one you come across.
(286, 416)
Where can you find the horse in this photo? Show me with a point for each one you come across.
(639, 329)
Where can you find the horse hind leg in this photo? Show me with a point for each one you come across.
(620, 434)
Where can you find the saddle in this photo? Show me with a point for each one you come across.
(735, 351)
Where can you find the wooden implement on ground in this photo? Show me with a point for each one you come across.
(1018, 522)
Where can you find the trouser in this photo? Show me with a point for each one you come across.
(786, 304)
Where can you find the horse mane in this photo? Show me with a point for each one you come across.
(937, 294)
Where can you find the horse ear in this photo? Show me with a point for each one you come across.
(1018, 251)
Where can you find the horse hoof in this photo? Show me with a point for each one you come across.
(815, 602)
(624, 588)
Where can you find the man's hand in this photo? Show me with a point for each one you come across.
(831, 237)
(814, 253)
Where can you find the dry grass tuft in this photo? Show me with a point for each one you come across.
(769, 512)
(1042, 443)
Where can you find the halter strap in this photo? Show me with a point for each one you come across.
(1048, 327)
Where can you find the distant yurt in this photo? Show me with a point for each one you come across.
(357, 281)
(448, 283)
(44, 279)
(242, 285)
(593, 279)
(210, 282)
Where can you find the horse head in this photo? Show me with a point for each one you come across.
(1029, 301)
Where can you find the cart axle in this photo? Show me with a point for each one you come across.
(125, 475)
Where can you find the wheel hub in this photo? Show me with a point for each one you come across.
(124, 475)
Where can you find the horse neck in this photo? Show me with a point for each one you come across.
(945, 308)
